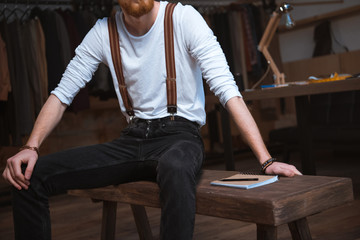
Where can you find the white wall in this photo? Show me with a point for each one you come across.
(299, 44)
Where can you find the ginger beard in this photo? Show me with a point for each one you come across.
(136, 8)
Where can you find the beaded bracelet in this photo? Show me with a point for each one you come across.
(30, 148)
(266, 164)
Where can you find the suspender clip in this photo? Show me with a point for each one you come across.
(172, 111)
(130, 112)
(131, 119)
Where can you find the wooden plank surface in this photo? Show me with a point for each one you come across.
(287, 200)
(302, 90)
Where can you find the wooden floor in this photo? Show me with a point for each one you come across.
(76, 218)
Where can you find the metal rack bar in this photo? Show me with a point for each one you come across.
(214, 2)
(189, 2)
(38, 2)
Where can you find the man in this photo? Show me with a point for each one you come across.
(156, 145)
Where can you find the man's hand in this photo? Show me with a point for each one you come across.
(48, 118)
(284, 169)
(13, 174)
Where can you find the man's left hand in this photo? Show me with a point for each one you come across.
(284, 169)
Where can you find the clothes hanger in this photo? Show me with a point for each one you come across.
(26, 12)
(3, 12)
(15, 12)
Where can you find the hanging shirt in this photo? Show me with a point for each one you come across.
(197, 55)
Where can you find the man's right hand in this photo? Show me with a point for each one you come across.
(13, 173)
(48, 118)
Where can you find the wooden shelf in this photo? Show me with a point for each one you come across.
(303, 90)
(342, 13)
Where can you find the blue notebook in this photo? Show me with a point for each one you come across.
(245, 181)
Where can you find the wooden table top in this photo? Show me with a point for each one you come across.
(281, 202)
(301, 90)
(284, 201)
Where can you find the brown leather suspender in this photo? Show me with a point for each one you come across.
(169, 55)
(170, 59)
(116, 58)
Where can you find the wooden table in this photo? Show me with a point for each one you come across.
(301, 94)
(287, 201)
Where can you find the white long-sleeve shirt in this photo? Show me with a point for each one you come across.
(197, 55)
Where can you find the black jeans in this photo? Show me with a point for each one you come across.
(169, 152)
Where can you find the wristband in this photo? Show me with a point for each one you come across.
(266, 164)
(30, 148)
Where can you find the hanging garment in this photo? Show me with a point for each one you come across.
(5, 89)
(20, 85)
(42, 61)
(55, 67)
(323, 39)
(66, 50)
(32, 65)
(8, 109)
(5, 85)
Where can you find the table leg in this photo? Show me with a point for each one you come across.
(300, 230)
(304, 128)
(266, 232)
(142, 222)
(108, 220)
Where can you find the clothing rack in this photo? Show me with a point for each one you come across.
(39, 2)
(214, 3)
(114, 2)
(102, 7)
(206, 3)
